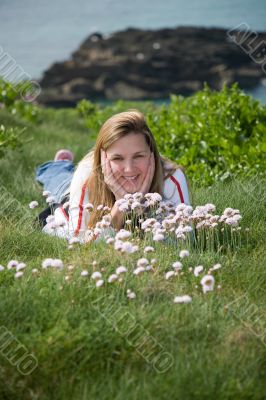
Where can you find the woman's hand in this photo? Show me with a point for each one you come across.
(146, 184)
(111, 179)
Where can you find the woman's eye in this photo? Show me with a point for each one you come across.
(139, 156)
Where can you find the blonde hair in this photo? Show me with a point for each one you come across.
(119, 125)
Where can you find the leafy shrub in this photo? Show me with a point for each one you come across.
(10, 99)
(214, 135)
(10, 138)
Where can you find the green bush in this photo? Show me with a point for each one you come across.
(10, 138)
(10, 98)
(214, 135)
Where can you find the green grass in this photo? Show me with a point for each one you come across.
(81, 336)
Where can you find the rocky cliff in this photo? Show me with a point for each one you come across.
(149, 64)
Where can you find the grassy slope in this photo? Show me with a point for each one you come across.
(218, 352)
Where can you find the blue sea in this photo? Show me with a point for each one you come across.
(37, 33)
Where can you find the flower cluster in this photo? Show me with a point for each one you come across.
(159, 221)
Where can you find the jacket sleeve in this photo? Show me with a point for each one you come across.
(176, 188)
(78, 215)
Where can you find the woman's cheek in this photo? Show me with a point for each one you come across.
(114, 167)
(145, 166)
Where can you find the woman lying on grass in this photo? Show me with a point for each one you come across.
(125, 159)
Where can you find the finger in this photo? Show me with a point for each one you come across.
(108, 169)
(103, 161)
(111, 179)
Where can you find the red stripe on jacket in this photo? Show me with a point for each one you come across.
(81, 208)
(178, 188)
(64, 212)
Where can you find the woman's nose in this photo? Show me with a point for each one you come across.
(128, 165)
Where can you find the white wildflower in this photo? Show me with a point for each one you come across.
(96, 275)
(47, 263)
(156, 197)
(198, 270)
(20, 266)
(169, 274)
(158, 237)
(148, 249)
(18, 274)
(210, 207)
(122, 234)
(207, 283)
(177, 265)
(142, 262)
(84, 273)
(136, 205)
(148, 223)
(34, 271)
(57, 263)
(228, 211)
(215, 267)
(12, 264)
(99, 283)
(184, 253)
(50, 199)
(128, 247)
(46, 193)
(112, 278)
(121, 270)
(33, 204)
(110, 240)
(149, 268)
(183, 299)
(131, 295)
(231, 221)
(139, 270)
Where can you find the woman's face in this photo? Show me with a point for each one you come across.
(130, 156)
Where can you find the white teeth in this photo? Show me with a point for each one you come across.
(130, 177)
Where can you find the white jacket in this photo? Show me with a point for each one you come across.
(75, 223)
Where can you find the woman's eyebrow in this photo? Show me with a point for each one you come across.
(121, 155)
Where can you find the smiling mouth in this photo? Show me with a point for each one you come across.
(130, 178)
